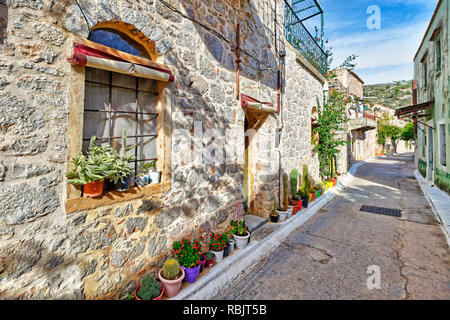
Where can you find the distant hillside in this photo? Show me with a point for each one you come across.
(394, 95)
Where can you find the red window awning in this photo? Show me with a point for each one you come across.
(252, 103)
(89, 56)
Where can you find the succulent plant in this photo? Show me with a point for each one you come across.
(90, 167)
(305, 177)
(294, 183)
(171, 269)
(285, 192)
(274, 210)
(150, 289)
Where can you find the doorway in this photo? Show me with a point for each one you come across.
(430, 167)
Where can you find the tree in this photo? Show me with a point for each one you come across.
(392, 132)
(408, 132)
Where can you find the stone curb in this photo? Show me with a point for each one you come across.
(223, 274)
(436, 198)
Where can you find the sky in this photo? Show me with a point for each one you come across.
(385, 54)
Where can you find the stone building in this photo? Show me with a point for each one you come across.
(193, 66)
(361, 132)
(388, 113)
(431, 102)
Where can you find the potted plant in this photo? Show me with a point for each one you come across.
(149, 289)
(202, 263)
(239, 230)
(305, 197)
(318, 191)
(217, 247)
(225, 240)
(241, 234)
(293, 206)
(120, 169)
(188, 255)
(209, 259)
(171, 276)
(231, 243)
(283, 210)
(90, 170)
(155, 176)
(141, 180)
(294, 184)
(274, 217)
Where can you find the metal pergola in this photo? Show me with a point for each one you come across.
(307, 9)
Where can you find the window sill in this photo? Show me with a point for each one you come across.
(112, 197)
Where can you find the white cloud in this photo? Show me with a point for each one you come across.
(385, 75)
(388, 47)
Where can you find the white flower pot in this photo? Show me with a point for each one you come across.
(241, 242)
(231, 242)
(283, 215)
(218, 256)
(155, 176)
(290, 212)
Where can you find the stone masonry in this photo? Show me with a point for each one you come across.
(102, 252)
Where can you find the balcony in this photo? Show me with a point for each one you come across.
(363, 121)
(299, 37)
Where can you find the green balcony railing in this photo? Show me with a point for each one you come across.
(300, 38)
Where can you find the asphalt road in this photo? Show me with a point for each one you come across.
(329, 257)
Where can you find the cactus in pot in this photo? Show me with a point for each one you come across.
(294, 183)
(274, 215)
(149, 289)
(171, 276)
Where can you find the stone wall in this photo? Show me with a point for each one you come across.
(101, 252)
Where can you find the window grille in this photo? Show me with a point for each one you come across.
(115, 101)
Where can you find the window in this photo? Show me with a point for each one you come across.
(424, 143)
(438, 54)
(115, 101)
(119, 41)
(442, 145)
(425, 75)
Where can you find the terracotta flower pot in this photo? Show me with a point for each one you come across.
(299, 205)
(209, 263)
(172, 287)
(93, 189)
(139, 287)
(294, 209)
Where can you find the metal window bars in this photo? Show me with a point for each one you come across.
(110, 113)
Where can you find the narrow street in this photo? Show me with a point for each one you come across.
(328, 257)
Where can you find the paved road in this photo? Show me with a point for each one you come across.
(328, 257)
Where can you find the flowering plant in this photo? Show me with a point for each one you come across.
(189, 253)
(216, 242)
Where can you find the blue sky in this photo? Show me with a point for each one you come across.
(384, 55)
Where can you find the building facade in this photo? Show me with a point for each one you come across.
(361, 131)
(387, 113)
(193, 66)
(431, 102)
